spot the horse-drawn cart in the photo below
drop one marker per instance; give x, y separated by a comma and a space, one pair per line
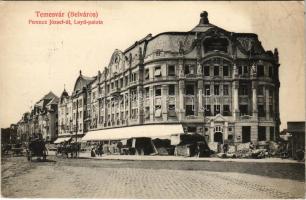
37, 148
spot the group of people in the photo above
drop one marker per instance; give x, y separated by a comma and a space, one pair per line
97, 150
67, 148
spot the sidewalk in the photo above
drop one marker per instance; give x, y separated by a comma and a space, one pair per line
180, 158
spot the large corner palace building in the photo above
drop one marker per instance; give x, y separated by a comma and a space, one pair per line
216, 83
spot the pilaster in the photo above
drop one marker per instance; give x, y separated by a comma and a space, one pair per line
254, 100
236, 100
267, 103
164, 102
181, 99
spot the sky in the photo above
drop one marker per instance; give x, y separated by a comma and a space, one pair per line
36, 59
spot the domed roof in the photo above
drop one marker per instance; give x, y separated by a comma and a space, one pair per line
204, 24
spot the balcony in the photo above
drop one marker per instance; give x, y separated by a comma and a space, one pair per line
115, 91
160, 78
133, 83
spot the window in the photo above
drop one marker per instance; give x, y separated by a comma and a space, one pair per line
134, 77
189, 110
112, 85
216, 89
270, 71
225, 70
240, 70
191, 129
107, 88
189, 89
243, 90
271, 111
246, 134
261, 111
157, 111
270, 93
207, 90
147, 95
157, 71
186, 71
216, 70
171, 70
121, 82
147, 113
126, 80
225, 90
260, 70
207, 110
206, 71
171, 90
271, 133
226, 110
147, 74
243, 110
260, 90
171, 110
230, 138
217, 109
245, 70
157, 91
189, 69
261, 133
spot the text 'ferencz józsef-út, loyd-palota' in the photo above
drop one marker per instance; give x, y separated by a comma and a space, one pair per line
71, 17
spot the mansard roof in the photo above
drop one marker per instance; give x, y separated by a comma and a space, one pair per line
183, 42
81, 82
46, 99
50, 95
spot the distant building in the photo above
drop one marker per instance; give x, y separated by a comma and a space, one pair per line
41, 120
297, 139
9, 135
217, 83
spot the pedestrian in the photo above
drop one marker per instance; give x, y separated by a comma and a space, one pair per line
92, 153
225, 148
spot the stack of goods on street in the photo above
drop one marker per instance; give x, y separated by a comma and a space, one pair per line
259, 150
192, 145
163, 146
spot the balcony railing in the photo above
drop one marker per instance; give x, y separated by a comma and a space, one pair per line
160, 78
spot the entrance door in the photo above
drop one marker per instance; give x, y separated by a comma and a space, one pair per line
218, 137
246, 134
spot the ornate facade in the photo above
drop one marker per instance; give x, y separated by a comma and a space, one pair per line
73, 113
217, 83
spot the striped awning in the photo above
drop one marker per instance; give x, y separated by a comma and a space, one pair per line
60, 140
152, 131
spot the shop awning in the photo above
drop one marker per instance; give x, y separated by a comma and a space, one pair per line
60, 140
74, 139
152, 131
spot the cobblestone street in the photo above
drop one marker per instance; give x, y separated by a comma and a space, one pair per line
88, 178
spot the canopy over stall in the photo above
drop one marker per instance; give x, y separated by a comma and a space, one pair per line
152, 131
60, 140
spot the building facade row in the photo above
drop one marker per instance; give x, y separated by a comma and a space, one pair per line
216, 83
41, 120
